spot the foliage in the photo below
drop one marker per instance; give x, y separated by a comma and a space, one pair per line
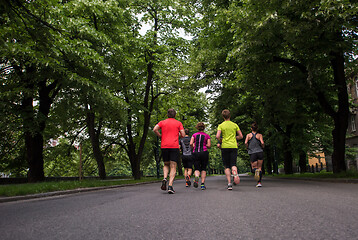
43, 187
267, 61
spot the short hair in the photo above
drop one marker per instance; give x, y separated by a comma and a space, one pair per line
226, 114
171, 113
200, 126
186, 131
254, 126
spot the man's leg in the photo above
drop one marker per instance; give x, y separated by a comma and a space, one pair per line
166, 169
228, 175
165, 173
173, 170
236, 174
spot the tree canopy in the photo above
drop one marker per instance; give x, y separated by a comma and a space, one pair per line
86, 73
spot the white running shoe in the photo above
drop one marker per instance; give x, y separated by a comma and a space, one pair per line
259, 185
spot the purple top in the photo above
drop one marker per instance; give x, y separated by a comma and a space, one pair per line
200, 140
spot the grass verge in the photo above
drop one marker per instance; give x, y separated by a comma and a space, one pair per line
42, 187
322, 174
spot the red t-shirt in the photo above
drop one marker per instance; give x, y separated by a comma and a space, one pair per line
170, 132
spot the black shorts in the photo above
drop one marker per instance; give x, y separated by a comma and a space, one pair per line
187, 160
256, 156
201, 160
229, 156
170, 154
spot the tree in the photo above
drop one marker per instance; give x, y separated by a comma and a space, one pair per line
146, 73
28, 61
316, 38
48, 49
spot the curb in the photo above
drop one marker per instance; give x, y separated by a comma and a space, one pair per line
332, 180
66, 192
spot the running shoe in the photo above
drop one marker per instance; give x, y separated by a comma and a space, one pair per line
257, 175
171, 190
164, 184
259, 185
187, 183
229, 186
202, 186
196, 182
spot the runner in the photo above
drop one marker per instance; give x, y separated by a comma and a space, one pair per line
255, 143
187, 157
227, 135
200, 142
170, 131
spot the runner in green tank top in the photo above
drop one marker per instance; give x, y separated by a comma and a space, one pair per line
228, 134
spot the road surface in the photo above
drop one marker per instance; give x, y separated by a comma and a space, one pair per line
281, 209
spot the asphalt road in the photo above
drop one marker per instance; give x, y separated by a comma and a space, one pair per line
281, 209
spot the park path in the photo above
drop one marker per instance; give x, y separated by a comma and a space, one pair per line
281, 209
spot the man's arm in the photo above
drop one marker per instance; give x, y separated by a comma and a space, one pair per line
182, 133
156, 131
218, 136
239, 135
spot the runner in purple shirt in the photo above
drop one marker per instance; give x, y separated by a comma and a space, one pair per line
200, 142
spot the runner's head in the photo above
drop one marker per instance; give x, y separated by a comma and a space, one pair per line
186, 131
226, 114
200, 126
171, 113
254, 126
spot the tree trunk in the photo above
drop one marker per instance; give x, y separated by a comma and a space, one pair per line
135, 162
94, 136
288, 161
338, 155
341, 117
288, 157
34, 156
35, 124
268, 158
302, 161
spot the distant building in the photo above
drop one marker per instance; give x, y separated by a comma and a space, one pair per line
352, 131
317, 160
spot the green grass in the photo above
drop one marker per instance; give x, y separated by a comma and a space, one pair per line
33, 188
322, 174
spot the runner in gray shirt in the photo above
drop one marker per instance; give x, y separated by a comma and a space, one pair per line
187, 157
255, 143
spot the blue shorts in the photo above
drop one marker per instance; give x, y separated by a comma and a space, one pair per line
170, 154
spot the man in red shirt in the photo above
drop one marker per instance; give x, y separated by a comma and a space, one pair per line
170, 130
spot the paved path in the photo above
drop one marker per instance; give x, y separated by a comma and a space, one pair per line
282, 209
